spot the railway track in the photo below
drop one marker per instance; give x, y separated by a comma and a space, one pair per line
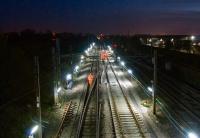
171, 96
127, 122
91, 117
66, 116
89, 120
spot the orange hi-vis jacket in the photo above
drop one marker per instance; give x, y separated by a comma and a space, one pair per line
90, 79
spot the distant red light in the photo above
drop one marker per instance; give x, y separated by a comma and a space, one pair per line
53, 36
114, 46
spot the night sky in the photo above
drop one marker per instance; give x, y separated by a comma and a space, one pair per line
102, 16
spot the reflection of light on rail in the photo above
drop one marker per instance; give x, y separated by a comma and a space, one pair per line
119, 73
127, 84
81, 77
192, 135
85, 69
78, 87
144, 109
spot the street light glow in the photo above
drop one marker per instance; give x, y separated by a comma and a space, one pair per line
90, 46
109, 47
150, 89
129, 71
192, 37
59, 89
192, 135
69, 77
122, 63
34, 129
76, 68
82, 57
150, 40
118, 58
93, 43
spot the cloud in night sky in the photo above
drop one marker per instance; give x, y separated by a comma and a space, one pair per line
107, 16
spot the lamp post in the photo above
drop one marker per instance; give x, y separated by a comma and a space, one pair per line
118, 58
192, 37
38, 100
192, 135
155, 81
33, 131
122, 64
130, 72
68, 79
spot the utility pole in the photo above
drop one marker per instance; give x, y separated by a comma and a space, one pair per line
56, 67
58, 62
38, 99
54, 75
155, 81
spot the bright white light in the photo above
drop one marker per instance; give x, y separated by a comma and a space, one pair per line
194, 44
82, 57
69, 76
34, 129
172, 40
93, 43
161, 40
81, 61
122, 63
192, 135
192, 37
118, 58
86, 51
90, 47
150, 89
59, 89
108, 46
150, 40
76, 69
129, 71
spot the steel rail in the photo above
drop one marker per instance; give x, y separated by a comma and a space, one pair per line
61, 126
128, 103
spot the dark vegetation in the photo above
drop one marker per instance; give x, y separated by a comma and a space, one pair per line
17, 83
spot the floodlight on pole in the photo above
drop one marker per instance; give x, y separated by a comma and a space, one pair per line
192, 37
76, 69
69, 76
93, 43
150, 89
34, 129
130, 71
59, 89
192, 135
122, 63
118, 58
